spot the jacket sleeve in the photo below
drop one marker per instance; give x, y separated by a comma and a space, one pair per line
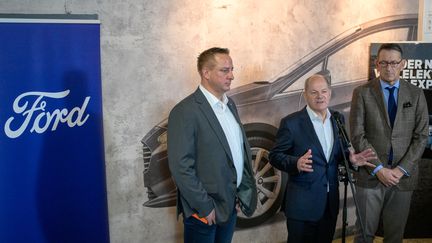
280, 156
357, 126
181, 159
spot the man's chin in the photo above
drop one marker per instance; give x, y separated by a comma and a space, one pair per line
389, 78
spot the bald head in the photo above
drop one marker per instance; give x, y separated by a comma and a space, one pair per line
313, 78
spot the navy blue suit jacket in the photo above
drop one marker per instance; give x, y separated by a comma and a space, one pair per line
306, 193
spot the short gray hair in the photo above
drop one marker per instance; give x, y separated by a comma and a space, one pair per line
308, 80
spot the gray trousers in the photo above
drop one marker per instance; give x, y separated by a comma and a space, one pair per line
389, 202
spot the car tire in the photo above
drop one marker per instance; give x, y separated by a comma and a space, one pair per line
270, 181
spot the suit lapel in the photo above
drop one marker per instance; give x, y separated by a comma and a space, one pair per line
310, 132
403, 97
379, 97
335, 140
207, 110
233, 110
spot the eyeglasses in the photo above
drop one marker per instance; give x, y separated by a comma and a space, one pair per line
392, 64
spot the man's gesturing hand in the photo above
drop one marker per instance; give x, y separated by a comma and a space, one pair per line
362, 158
304, 163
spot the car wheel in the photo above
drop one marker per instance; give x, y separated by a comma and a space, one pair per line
270, 181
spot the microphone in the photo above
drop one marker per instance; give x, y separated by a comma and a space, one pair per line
345, 140
341, 128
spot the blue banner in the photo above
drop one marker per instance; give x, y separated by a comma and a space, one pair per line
52, 170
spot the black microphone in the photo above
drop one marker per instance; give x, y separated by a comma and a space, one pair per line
345, 140
337, 117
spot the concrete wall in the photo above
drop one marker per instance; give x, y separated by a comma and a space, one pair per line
149, 50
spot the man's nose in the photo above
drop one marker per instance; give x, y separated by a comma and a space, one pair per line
231, 75
388, 67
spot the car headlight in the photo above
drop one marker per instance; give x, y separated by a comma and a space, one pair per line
162, 139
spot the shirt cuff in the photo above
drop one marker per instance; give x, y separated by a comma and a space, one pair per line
404, 171
378, 168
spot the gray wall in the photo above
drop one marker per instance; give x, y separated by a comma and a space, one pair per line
148, 64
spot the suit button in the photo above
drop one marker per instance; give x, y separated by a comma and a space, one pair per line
327, 166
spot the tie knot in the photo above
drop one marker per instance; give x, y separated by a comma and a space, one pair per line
391, 89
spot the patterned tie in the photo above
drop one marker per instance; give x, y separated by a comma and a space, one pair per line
391, 109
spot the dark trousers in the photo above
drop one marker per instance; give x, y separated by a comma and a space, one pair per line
196, 231
312, 232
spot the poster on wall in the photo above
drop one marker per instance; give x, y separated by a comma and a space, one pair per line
262, 104
52, 169
417, 71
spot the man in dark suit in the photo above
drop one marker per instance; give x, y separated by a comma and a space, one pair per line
209, 155
307, 148
390, 116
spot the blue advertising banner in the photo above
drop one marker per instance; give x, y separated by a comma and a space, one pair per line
52, 170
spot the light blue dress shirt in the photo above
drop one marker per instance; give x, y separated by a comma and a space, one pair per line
386, 92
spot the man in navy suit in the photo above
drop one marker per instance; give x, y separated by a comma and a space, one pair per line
307, 148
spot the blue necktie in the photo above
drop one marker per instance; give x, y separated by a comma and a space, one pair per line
391, 109
391, 105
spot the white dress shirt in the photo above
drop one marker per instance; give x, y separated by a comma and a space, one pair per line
323, 130
230, 127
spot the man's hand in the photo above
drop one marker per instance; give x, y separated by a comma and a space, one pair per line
362, 158
304, 163
397, 172
211, 218
388, 177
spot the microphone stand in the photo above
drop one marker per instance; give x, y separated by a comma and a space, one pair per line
346, 177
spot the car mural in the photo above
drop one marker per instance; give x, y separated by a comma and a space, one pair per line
261, 105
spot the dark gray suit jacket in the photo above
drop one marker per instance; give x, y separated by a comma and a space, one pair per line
201, 163
370, 128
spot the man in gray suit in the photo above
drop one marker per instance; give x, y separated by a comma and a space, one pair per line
390, 116
209, 155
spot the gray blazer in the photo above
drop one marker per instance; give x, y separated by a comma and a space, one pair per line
201, 163
370, 128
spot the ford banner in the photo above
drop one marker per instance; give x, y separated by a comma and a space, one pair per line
52, 169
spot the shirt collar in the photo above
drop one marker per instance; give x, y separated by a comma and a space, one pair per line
385, 84
314, 116
213, 101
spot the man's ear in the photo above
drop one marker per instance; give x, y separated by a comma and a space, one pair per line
206, 73
403, 63
376, 64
